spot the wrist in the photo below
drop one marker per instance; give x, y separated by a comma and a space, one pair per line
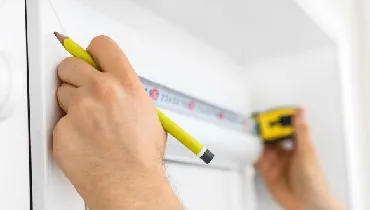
129, 190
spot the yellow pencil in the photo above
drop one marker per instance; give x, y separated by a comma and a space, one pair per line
171, 127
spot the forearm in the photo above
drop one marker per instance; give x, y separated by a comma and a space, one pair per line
315, 192
137, 193
322, 202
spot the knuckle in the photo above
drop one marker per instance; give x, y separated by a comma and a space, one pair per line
59, 130
85, 104
64, 64
60, 141
99, 40
69, 65
67, 60
105, 88
101, 83
58, 127
61, 92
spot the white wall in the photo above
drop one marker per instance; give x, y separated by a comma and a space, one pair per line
332, 16
363, 59
346, 21
14, 156
310, 79
158, 50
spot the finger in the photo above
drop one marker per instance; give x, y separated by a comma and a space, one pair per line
267, 161
281, 164
282, 153
110, 58
265, 155
59, 132
260, 160
65, 96
302, 133
277, 168
273, 157
262, 166
76, 72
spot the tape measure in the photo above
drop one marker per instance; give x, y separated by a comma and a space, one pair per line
166, 98
271, 125
275, 124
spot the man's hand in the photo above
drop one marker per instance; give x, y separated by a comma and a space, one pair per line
295, 177
110, 143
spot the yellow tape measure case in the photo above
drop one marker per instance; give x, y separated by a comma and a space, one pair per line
275, 124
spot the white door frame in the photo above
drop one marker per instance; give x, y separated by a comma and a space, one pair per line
339, 20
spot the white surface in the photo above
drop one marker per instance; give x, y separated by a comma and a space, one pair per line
14, 161
5, 82
245, 30
11, 88
343, 20
50, 189
158, 51
209, 189
363, 30
332, 16
309, 79
168, 56
249, 197
2, 2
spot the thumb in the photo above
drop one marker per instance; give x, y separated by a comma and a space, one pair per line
302, 131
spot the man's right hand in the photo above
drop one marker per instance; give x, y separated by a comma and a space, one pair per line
295, 177
110, 144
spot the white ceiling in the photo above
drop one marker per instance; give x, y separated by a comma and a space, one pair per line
246, 30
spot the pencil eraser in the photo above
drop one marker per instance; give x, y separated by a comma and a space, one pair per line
207, 157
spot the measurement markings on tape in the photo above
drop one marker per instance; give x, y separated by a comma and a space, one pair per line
164, 97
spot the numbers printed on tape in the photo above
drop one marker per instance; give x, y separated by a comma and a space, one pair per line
191, 105
167, 98
154, 93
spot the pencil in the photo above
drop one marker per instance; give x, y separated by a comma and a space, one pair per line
168, 125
